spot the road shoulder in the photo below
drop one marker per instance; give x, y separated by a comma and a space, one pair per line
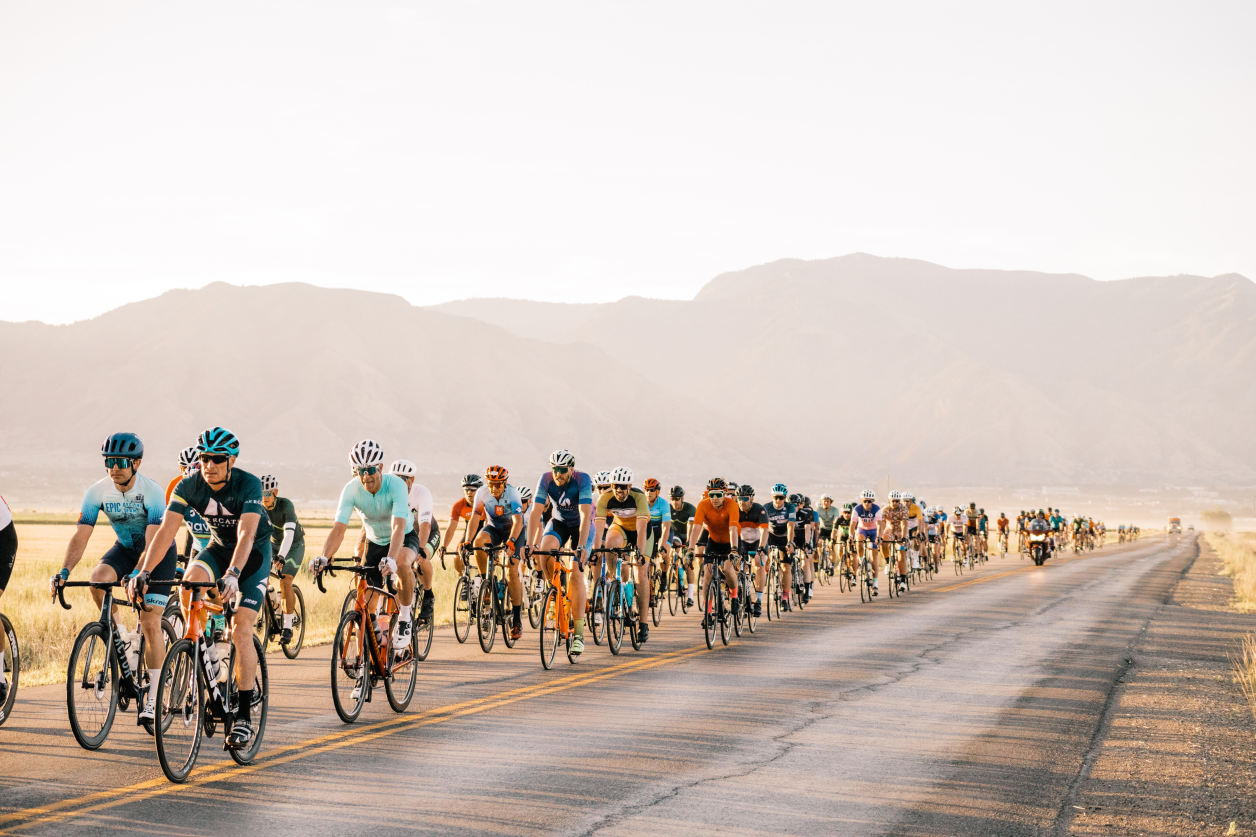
1176, 756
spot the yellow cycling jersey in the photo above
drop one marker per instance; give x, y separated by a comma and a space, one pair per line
626, 512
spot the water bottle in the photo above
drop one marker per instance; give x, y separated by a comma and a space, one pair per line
132, 642
222, 650
381, 627
475, 587
210, 660
501, 588
539, 584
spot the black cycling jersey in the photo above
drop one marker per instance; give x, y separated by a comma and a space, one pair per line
779, 519
681, 518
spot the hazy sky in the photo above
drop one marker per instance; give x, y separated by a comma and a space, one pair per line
586, 151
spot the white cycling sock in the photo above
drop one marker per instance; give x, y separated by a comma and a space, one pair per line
693, 589
154, 675
404, 615
876, 580
287, 619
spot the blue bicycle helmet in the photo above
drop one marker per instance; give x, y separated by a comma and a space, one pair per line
780, 488
218, 440
123, 444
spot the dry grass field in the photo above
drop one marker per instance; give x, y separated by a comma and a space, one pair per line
1238, 552
46, 632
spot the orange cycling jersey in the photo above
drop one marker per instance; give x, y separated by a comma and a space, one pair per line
170, 487
717, 520
1002, 521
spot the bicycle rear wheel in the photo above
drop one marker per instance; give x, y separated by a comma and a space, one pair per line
257, 709
174, 616
399, 686
12, 665
181, 704
549, 631
293, 648
91, 687
262, 628
614, 620
462, 609
597, 609
349, 668
771, 591
486, 614
424, 633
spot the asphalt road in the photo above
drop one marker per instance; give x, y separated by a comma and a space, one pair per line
969, 707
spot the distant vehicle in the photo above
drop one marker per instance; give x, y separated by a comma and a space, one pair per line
1175, 526
1191, 528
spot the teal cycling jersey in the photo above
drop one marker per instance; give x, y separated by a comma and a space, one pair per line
129, 513
377, 510
660, 510
221, 509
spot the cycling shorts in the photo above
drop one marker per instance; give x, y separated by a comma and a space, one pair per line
867, 534
703, 537
123, 560
826, 534
566, 533
655, 538
845, 533
292, 563
630, 538
255, 577
972, 530
933, 537
717, 552
376, 552
8, 553
800, 540
497, 536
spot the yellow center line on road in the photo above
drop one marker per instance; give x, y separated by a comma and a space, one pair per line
102, 800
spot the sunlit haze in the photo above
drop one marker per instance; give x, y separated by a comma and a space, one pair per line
590, 151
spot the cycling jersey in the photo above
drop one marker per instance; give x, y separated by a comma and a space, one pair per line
1002, 522
914, 516
565, 500
8, 544
753, 521
972, 518
827, 518
221, 509
498, 511
866, 519
895, 515
129, 513
780, 518
280, 516
376, 510
803, 518
718, 520
421, 507
983, 522
195, 525
681, 518
660, 510
626, 512
6, 516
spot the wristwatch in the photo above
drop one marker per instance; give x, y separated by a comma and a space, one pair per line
233, 571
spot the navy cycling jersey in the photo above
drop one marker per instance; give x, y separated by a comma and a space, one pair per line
221, 509
779, 519
804, 516
564, 501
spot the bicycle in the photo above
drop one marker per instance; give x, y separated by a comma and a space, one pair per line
824, 567
745, 588
957, 554
677, 580
620, 598
867, 572
717, 607
465, 594
849, 575
772, 582
557, 621
655, 589
1002, 544
270, 618
362, 653
197, 690
101, 676
492, 607
533, 591
12, 665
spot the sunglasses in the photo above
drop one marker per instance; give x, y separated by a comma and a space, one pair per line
560, 469
715, 495
274, 493
778, 496
368, 471
216, 458
621, 487
117, 462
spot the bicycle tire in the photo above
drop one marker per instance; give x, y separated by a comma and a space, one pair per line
548, 629
597, 607
409, 668
292, 649
261, 702
92, 641
709, 617
772, 591
349, 665
613, 618
347, 605
656, 597
174, 615
262, 628
462, 607
181, 702
486, 616
723, 606
673, 591
535, 600
169, 636
865, 586
681, 592
12, 666
423, 635
739, 613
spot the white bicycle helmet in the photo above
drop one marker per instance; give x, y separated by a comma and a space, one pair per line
867, 494
894, 495
907, 495
366, 453
602, 478
403, 468
269, 483
525, 494
824, 497
621, 476
188, 457
562, 458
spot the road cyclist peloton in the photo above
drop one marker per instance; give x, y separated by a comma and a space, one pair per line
382, 503
229, 500
567, 496
134, 506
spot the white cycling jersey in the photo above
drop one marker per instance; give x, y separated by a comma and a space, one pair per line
6, 516
420, 500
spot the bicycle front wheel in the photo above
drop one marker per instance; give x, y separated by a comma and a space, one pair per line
262, 628
293, 648
549, 630
615, 616
257, 709
535, 600
723, 605
673, 590
12, 664
348, 668
181, 704
462, 609
486, 615
91, 687
656, 596
710, 613
596, 618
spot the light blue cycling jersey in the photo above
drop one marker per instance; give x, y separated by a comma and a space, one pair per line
130, 513
376, 510
660, 510
497, 511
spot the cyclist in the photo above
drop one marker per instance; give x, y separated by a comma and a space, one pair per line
869, 522
660, 530
1003, 524
827, 516
383, 505
229, 499
972, 519
682, 514
133, 505
198, 530
983, 526
804, 538
8, 554
932, 521
843, 528
461, 510
915, 527
894, 532
422, 511
567, 494
782, 519
499, 506
629, 512
753, 523
958, 524
722, 523
287, 542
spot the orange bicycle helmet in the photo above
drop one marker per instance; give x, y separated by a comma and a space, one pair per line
496, 473
652, 484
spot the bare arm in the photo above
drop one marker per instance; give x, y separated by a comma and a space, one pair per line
334, 539
397, 537
78, 543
